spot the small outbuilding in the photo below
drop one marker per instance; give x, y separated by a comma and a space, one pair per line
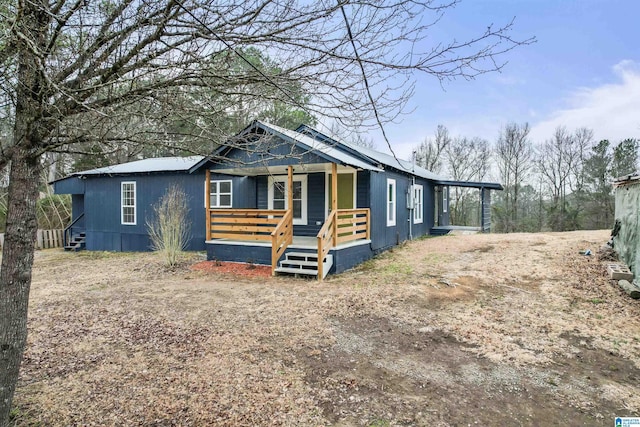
626, 237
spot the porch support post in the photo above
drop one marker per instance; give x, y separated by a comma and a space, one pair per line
334, 200
334, 187
290, 187
207, 203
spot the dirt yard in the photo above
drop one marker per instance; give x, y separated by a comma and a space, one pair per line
464, 330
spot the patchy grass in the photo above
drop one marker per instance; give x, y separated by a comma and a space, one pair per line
512, 329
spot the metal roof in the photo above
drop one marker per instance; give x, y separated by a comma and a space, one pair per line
384, 159
632, 178
391, 161
158, 164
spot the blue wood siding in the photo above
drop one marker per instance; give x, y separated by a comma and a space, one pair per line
239, 253
101, 205
315, 206
71, 185
384, 237
274, 151
262, 192
344, 259
77, 209
363, 187
103, 210
347, 258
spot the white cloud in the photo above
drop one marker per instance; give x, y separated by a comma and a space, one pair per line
612, 110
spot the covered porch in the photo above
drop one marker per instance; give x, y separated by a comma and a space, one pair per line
265, 236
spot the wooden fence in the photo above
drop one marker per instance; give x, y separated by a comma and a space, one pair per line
45, 239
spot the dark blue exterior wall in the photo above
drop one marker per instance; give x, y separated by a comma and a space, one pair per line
103, 210
363, 189
77, 209
316, 205
343, 259
101, 205
70, 185
428, 209
347, 258
383, 236
239, 253
272, 152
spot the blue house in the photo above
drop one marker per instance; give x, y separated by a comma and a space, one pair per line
297, 200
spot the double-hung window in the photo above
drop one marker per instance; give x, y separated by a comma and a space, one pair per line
418, 200
221, 194
128, 203
445, 199
391, 202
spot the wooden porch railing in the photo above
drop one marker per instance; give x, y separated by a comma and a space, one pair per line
352, 224
342, 225
269, 225
281, 237
326, 240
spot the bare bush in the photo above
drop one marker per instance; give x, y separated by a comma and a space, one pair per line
169, 228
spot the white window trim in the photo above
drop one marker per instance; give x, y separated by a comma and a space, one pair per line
284, 179
418, 203
391, 183
122, 205
445, 199
218, 182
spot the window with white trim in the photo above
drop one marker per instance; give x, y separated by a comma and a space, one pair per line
418, 200
445, 197
391, 202
279, 196
128, 203
221, 194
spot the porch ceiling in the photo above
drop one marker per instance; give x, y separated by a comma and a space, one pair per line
280, 170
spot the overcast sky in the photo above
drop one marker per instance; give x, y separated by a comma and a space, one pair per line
583, 71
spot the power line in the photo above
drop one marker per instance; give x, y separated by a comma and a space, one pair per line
275, 85
366, 83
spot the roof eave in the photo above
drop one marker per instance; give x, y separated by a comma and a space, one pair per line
471, 184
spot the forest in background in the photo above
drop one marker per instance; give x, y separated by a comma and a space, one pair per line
564, 183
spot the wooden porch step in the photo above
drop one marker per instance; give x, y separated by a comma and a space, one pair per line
305, 263
299, 262
293, 270
307, 256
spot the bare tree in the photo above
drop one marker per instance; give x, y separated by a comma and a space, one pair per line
559, 160
430, 152
514, 155
73, 71
467, 160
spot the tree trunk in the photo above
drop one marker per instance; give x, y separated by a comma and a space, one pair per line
30, 129
15, 273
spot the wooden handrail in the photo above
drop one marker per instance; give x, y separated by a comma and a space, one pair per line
281, 237
326, 240
342, 225
69, 230
352, 224
244, 224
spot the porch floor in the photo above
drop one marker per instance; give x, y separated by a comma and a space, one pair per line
299, 242
460, 228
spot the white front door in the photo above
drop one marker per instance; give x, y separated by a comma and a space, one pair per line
279, 196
